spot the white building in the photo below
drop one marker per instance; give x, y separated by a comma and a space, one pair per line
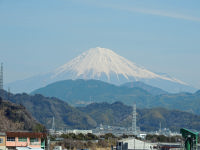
79, 131
142, 135
132, 143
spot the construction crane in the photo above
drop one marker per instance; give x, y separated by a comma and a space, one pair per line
191, 139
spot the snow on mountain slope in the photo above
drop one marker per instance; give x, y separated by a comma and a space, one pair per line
102, 64
97, 61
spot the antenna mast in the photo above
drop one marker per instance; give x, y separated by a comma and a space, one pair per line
53, 125
134, 129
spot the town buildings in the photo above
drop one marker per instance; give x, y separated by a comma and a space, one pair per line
22, 141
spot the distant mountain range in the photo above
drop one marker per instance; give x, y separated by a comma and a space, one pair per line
83, 92
105, 65
117, 114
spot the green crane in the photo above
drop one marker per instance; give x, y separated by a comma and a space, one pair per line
190, 137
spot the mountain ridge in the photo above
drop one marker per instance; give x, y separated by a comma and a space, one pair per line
90, 116
45, 108
152, 90
73, 91
105, 65
88, 91
148, 119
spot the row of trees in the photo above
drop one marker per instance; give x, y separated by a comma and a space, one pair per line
109, 136
81, 141
162, 138
79, 136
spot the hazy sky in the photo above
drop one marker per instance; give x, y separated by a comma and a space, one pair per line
37, 36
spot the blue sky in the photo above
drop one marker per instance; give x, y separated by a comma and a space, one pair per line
37, 36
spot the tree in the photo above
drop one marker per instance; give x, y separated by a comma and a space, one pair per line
108, 135
39, 128
80, 136
91, 136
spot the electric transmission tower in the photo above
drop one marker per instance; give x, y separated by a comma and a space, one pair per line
1, 77
134, 127
53, 125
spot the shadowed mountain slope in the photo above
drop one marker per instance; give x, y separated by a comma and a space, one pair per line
15, 117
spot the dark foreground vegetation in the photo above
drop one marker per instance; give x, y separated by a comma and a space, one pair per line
15, 117
81, 141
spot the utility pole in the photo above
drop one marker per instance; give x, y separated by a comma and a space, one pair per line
8, 94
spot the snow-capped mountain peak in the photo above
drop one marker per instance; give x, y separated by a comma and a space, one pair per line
102, 64
98, 63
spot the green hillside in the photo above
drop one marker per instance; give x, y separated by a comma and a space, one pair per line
150, 89
45, 108
91, 116
77, 92
81, 91
15, 117
118, 114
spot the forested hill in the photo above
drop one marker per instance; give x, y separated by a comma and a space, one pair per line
45, 108
86, 91
88, 117
118, 114
15, 117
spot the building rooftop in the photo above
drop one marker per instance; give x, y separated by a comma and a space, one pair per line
26, 134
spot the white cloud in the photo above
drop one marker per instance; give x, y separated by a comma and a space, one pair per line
150, 11
145, 11
160, 13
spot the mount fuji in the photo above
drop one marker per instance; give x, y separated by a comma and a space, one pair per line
102, 64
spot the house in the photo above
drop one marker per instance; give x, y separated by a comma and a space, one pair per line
25, 140
2, 141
